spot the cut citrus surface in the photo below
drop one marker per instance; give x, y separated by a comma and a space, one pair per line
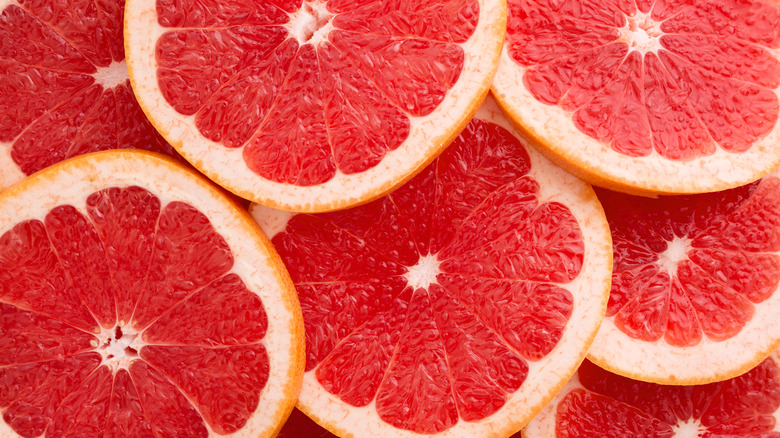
457, 305
597, 403
312, 105
663, 96
64, 89
136, 300
695, 292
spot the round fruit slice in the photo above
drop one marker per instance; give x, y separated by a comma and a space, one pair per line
459, 304
312, 105
695, 292
137, 301
597, 403
64, 89
664, 96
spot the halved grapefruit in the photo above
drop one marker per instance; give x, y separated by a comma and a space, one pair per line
64, 89
597, 403
695, 293
136, 300
663, 96
312, 105
459, 304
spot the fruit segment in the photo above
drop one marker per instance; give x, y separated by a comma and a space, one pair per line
598, 403
428, 310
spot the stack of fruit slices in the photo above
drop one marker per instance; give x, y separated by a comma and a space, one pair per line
442, 292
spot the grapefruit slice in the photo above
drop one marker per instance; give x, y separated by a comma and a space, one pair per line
136, 300
459, 304
312, 105
64, 89
664, 96
695, 291
598, 403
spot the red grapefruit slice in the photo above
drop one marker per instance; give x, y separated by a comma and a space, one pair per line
664, 96
695, 292
312, 105
597, 403
458, 304
64, 89
136, 300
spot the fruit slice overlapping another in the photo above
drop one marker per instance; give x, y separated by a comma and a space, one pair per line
597, 403
64, 89
664, 96
137, 301
455, 306
312, 105
695, 292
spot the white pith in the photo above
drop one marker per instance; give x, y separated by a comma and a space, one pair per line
543, 425
115, 351
641, 33
690, 428
554, 133
427, 134
112, 75
707, 361
676, 251
547, 375
305, 23
257, 266
424, 273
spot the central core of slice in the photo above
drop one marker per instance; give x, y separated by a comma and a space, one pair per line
118, 346
688, 429
424, 273
676, 252
311, 23
112, 75
641, 33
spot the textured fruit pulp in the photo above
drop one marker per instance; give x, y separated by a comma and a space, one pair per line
490, 264
155, 277
64, 89
301, 426
693, 266
678, 77
304, 105
614, 406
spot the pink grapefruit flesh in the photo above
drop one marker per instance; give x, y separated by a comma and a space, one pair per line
692, 275
123, 313
599, 403
64, 90
310, 96
665, 95
432, 310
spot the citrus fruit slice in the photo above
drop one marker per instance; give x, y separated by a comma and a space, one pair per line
598, 403
136, 300
64, 89
664, 96
695, 291
312, 105
457, 305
